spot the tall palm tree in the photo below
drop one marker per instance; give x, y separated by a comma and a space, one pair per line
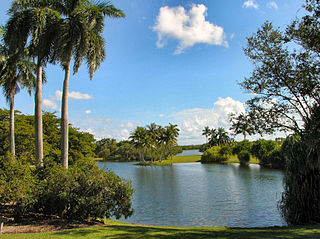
222, 136
14, 70
79, 37
206, 133
33, 24
213, 137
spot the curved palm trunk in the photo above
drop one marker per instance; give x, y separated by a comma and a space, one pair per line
64, 117
12, 144
38, 117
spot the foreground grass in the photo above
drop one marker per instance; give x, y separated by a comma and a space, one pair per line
119, 230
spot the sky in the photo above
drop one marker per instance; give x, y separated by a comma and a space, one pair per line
176, 61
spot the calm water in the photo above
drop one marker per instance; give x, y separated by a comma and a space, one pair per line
189, 152
203, 195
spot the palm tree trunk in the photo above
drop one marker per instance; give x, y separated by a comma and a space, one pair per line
38, 117
64, 117
12, 145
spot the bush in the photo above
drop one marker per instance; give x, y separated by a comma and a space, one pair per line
262, 148
84, 191
213, 155
18, 186
275, 159
244, 157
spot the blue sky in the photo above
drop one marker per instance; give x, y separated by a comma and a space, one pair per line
175, 61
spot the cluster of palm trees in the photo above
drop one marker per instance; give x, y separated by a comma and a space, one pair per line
155, 139
51, 31
216, 136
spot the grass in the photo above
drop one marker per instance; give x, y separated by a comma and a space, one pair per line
192, 159
120, 230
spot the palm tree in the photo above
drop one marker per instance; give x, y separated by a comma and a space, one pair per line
14, 70
139, 139
213, 137
222, 136
153, 132
174, 133
241, 125
34, 24
206, 132
80, 37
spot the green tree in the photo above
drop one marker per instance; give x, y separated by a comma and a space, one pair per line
79, 37
33, 25
173, 132
240, 124
139, 138
206, 133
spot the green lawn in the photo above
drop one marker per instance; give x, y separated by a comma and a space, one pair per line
118, 230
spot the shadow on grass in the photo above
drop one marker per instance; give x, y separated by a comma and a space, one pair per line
128, 231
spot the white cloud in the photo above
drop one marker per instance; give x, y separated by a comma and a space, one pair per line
73, 95
88, 112
192, 121
250, 4
189, 28
273, 5
50, 105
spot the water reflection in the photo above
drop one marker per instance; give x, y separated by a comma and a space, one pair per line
203, 195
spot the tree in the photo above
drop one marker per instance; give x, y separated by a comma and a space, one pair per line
139, 138
206, 133
285, 81
15, 70
240, 124
80, 37
33, 25
222, 137
153, 131
173, 132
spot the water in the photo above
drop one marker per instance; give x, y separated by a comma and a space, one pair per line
189, 152
194, 194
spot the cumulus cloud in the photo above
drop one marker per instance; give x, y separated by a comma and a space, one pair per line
73, 95
192, 121
250, 4
188, 27
51, 102
88, 112
50, 105
272, 5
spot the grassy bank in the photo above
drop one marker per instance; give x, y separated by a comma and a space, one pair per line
119, 230
192, 159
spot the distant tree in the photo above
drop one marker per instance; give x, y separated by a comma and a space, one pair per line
241, 124
174, 133
222, 137
206, 133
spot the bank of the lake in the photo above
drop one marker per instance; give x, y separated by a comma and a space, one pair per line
120, 230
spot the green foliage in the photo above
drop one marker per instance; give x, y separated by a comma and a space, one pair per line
300, 199
241, 146
81, 144
17, 185
84, 191
244, 157
262, 148
214, 154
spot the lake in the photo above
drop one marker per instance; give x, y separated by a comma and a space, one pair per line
199, 195
190, 152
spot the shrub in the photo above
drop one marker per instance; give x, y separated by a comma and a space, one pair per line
84, 191
213, 155
262, 148
18, 186
275, 159
244, 157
